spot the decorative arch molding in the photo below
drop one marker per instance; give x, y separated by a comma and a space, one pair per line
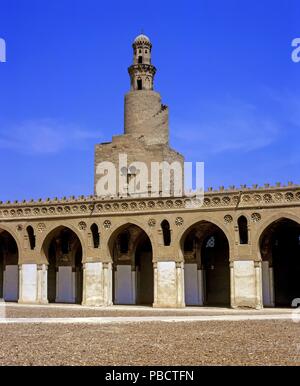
15, 237
265, 224
207, 269
132, 269
207, 218
47, 238
117, 228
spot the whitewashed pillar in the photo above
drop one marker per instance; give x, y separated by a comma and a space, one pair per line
134, 284
107, 284
232, 286
168, 285
28, 283
42, 284
155, 278
258, 283
267, 284
246, 284
180, 284
92, 284
84, 294
272, 288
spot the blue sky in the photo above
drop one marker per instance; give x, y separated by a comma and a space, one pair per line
224, 69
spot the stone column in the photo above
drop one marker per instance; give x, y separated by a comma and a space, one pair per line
267, 284
201, 295
168, 284
272, 294
92, 284
107, 284
232, 286
97, 284
28, 283
155, 279
258, 284
180, 284
42, 284
134, 285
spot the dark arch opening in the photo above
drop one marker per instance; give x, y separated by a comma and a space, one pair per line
123, 241
144, 268
133, 278
9, 270
140, 84
189, 243
206, 270
78, 276
63, 251
165, 226
140, 60
95, 236
243, 229
31, 237
280, 252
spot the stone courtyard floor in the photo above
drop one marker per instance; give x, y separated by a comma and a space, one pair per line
120, 335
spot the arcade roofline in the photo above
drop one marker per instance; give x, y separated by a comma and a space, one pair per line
210, 191
92, 206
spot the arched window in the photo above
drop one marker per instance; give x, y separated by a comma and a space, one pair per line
243, 230
140, 59
165, 226
31, 237
95, 235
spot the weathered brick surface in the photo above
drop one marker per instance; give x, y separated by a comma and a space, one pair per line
146, 116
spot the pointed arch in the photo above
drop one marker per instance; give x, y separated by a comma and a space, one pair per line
63, 250
9, 269
279, 245
132, 253
205, 249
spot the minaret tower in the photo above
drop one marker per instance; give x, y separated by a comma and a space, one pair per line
146, 122
145, 116
142, 72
